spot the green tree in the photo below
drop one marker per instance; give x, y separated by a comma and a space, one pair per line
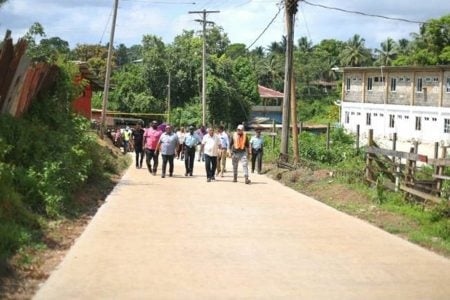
355, 53
387, 53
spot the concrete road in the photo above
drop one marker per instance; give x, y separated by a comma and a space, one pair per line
184, 238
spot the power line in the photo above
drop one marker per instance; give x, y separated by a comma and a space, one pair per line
362, 13
306, 24
106, 25
267, 27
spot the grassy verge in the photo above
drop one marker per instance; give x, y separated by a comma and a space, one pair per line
420, 224
35, 257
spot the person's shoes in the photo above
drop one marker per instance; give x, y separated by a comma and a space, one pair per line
253, 171
213, 178
150, 171
170, 175
221, 174
190, 174
259, 172
154, 173
208, 180
163, 176
247, 181
185, 174
235, 179
137, 167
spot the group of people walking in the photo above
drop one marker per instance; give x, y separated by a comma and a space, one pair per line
213, 147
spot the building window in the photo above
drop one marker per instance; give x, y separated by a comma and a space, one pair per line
406, 117
448, 84
419, 85
446, 125
436, 79
369, 83
347, 86
368, 119
353, 113
358, 113
399, 117
393, 84
418, 123
381, 115
347, 117
434, 119
375, 115
427, 119
391, 121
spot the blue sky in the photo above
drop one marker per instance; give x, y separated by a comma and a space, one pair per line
86, 21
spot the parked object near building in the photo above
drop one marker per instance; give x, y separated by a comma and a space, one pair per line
414, 102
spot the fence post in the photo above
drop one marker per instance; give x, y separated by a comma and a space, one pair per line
414, 163
369, 157
328, 136
396, 167
357, 139
274, 128
441, 171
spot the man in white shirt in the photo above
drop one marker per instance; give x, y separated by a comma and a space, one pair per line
210, 148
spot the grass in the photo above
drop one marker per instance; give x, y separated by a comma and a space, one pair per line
428, 226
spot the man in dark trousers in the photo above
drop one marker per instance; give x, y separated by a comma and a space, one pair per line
257, 145
138, 139
191, 140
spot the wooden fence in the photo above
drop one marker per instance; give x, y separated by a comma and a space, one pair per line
400, 169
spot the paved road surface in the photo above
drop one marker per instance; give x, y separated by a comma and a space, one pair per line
183, 238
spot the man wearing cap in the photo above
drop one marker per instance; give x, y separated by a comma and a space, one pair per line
239, 148
222, 157
168, 143
191, 140
151, 138
210, 148
256, 146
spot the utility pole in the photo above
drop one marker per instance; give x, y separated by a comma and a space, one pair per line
204, 22
168, 99
291, 10
108, 69
294, 119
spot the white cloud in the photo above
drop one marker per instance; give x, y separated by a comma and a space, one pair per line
83, 21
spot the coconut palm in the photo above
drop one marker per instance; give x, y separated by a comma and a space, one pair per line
387, 53
355, 54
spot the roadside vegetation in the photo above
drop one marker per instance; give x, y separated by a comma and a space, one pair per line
46, 158
336, 177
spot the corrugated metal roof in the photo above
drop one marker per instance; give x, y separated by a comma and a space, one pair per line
265, 92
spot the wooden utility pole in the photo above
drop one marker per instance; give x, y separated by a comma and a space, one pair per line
291, 10
294, 119
108, 69
168, 98
204, 22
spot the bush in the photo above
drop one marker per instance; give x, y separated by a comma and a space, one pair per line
45, 157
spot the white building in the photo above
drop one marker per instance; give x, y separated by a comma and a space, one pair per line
412, 101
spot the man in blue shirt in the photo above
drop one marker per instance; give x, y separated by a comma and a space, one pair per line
257, 143
168, 143
191, 140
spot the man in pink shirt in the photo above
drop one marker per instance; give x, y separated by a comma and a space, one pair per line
151, 139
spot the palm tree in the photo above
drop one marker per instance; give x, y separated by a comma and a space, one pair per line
355, 53
387, 53
304, 45
403, 46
